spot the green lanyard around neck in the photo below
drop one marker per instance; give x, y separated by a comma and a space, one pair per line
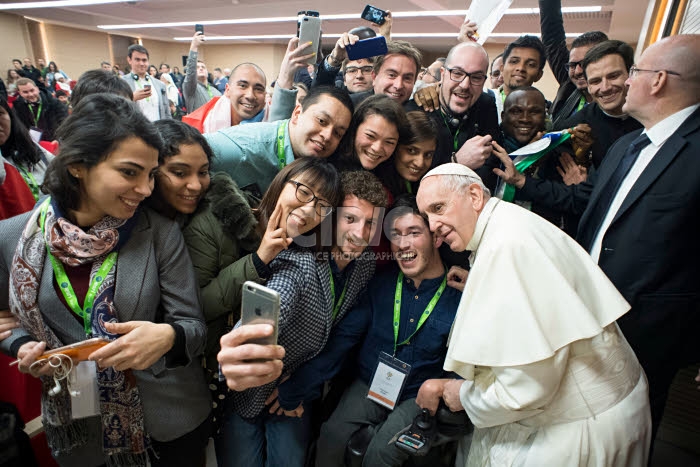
211, 94
38, 114
30, 181
336, 306
423, 317
455, 138
409, 188
67, 289
279, 145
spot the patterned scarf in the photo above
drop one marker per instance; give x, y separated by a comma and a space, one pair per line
124, 439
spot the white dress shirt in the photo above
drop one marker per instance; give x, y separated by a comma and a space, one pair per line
658, 134
150, 106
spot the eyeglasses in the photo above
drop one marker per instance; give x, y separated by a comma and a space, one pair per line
573, 65
496, 73
306, 195
457, 75
634, 71
352, 70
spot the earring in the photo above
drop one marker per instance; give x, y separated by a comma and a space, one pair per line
75, 174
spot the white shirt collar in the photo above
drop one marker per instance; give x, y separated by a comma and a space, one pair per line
481, 223
659, 133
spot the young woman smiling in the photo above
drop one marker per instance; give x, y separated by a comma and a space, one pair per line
377, 126
129, 268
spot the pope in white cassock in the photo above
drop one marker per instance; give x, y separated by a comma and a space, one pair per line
549, 379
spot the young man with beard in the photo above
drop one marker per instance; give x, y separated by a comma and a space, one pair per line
420, 293
252, 154
606, 68
572, 95
467, 122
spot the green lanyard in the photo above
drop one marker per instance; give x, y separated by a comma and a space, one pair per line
424, 316
67, 289
409, 188
279, 144
336, 306
211, 94
503, 96
38, 114
581, 103
30, 181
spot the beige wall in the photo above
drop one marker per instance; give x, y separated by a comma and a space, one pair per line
14, 40
75, 50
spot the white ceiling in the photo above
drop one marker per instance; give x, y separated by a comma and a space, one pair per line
621, 19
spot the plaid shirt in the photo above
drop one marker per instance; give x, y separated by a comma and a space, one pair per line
306, 313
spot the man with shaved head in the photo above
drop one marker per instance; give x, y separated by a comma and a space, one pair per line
467, 122
639, 219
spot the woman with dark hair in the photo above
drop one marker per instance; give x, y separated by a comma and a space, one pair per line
17, 148
51, 78
413, 156
130, 268
153, 71
377, 126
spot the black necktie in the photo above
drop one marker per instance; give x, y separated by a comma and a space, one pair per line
610, 189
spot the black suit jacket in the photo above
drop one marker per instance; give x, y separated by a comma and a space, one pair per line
650, 251
52, 115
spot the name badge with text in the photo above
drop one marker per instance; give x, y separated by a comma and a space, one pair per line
388, 381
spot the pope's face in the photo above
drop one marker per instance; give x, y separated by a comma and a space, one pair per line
452, 215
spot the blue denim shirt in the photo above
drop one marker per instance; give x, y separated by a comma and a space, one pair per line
370, 322
248, 153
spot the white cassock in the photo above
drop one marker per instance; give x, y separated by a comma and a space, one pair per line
549, 378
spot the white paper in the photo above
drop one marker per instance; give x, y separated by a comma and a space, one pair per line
84, 393
532, 148
386, 385
486, 14
35, 135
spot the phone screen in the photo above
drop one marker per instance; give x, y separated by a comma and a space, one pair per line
199, 28
374, 14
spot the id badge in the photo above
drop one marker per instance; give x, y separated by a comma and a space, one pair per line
35, 133
388, 381
83, 390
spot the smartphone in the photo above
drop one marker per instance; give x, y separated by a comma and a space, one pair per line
147, 87
374, 15
260, 305
78, 352
300, 17
367, 48
310, 31
199, 28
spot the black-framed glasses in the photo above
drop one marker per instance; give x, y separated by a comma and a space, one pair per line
573, 65
459, 75
306, 195
634, 71
365, 70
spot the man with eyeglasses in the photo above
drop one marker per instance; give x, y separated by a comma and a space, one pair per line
466, 121
252, 154
639, 209
605, 68
497, 72
572, 95
357, 74
430, 75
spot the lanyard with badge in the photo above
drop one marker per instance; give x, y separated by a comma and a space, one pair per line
279, 145
390, 376
85, 399
84, 312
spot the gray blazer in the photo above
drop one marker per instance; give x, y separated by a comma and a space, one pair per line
158, 87
155, 282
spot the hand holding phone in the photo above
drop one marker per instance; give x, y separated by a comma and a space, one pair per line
374, 15
310, 31
260, 305
78, 352
199, 28
367, 48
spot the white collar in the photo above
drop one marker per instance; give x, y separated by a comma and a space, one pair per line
659, 133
